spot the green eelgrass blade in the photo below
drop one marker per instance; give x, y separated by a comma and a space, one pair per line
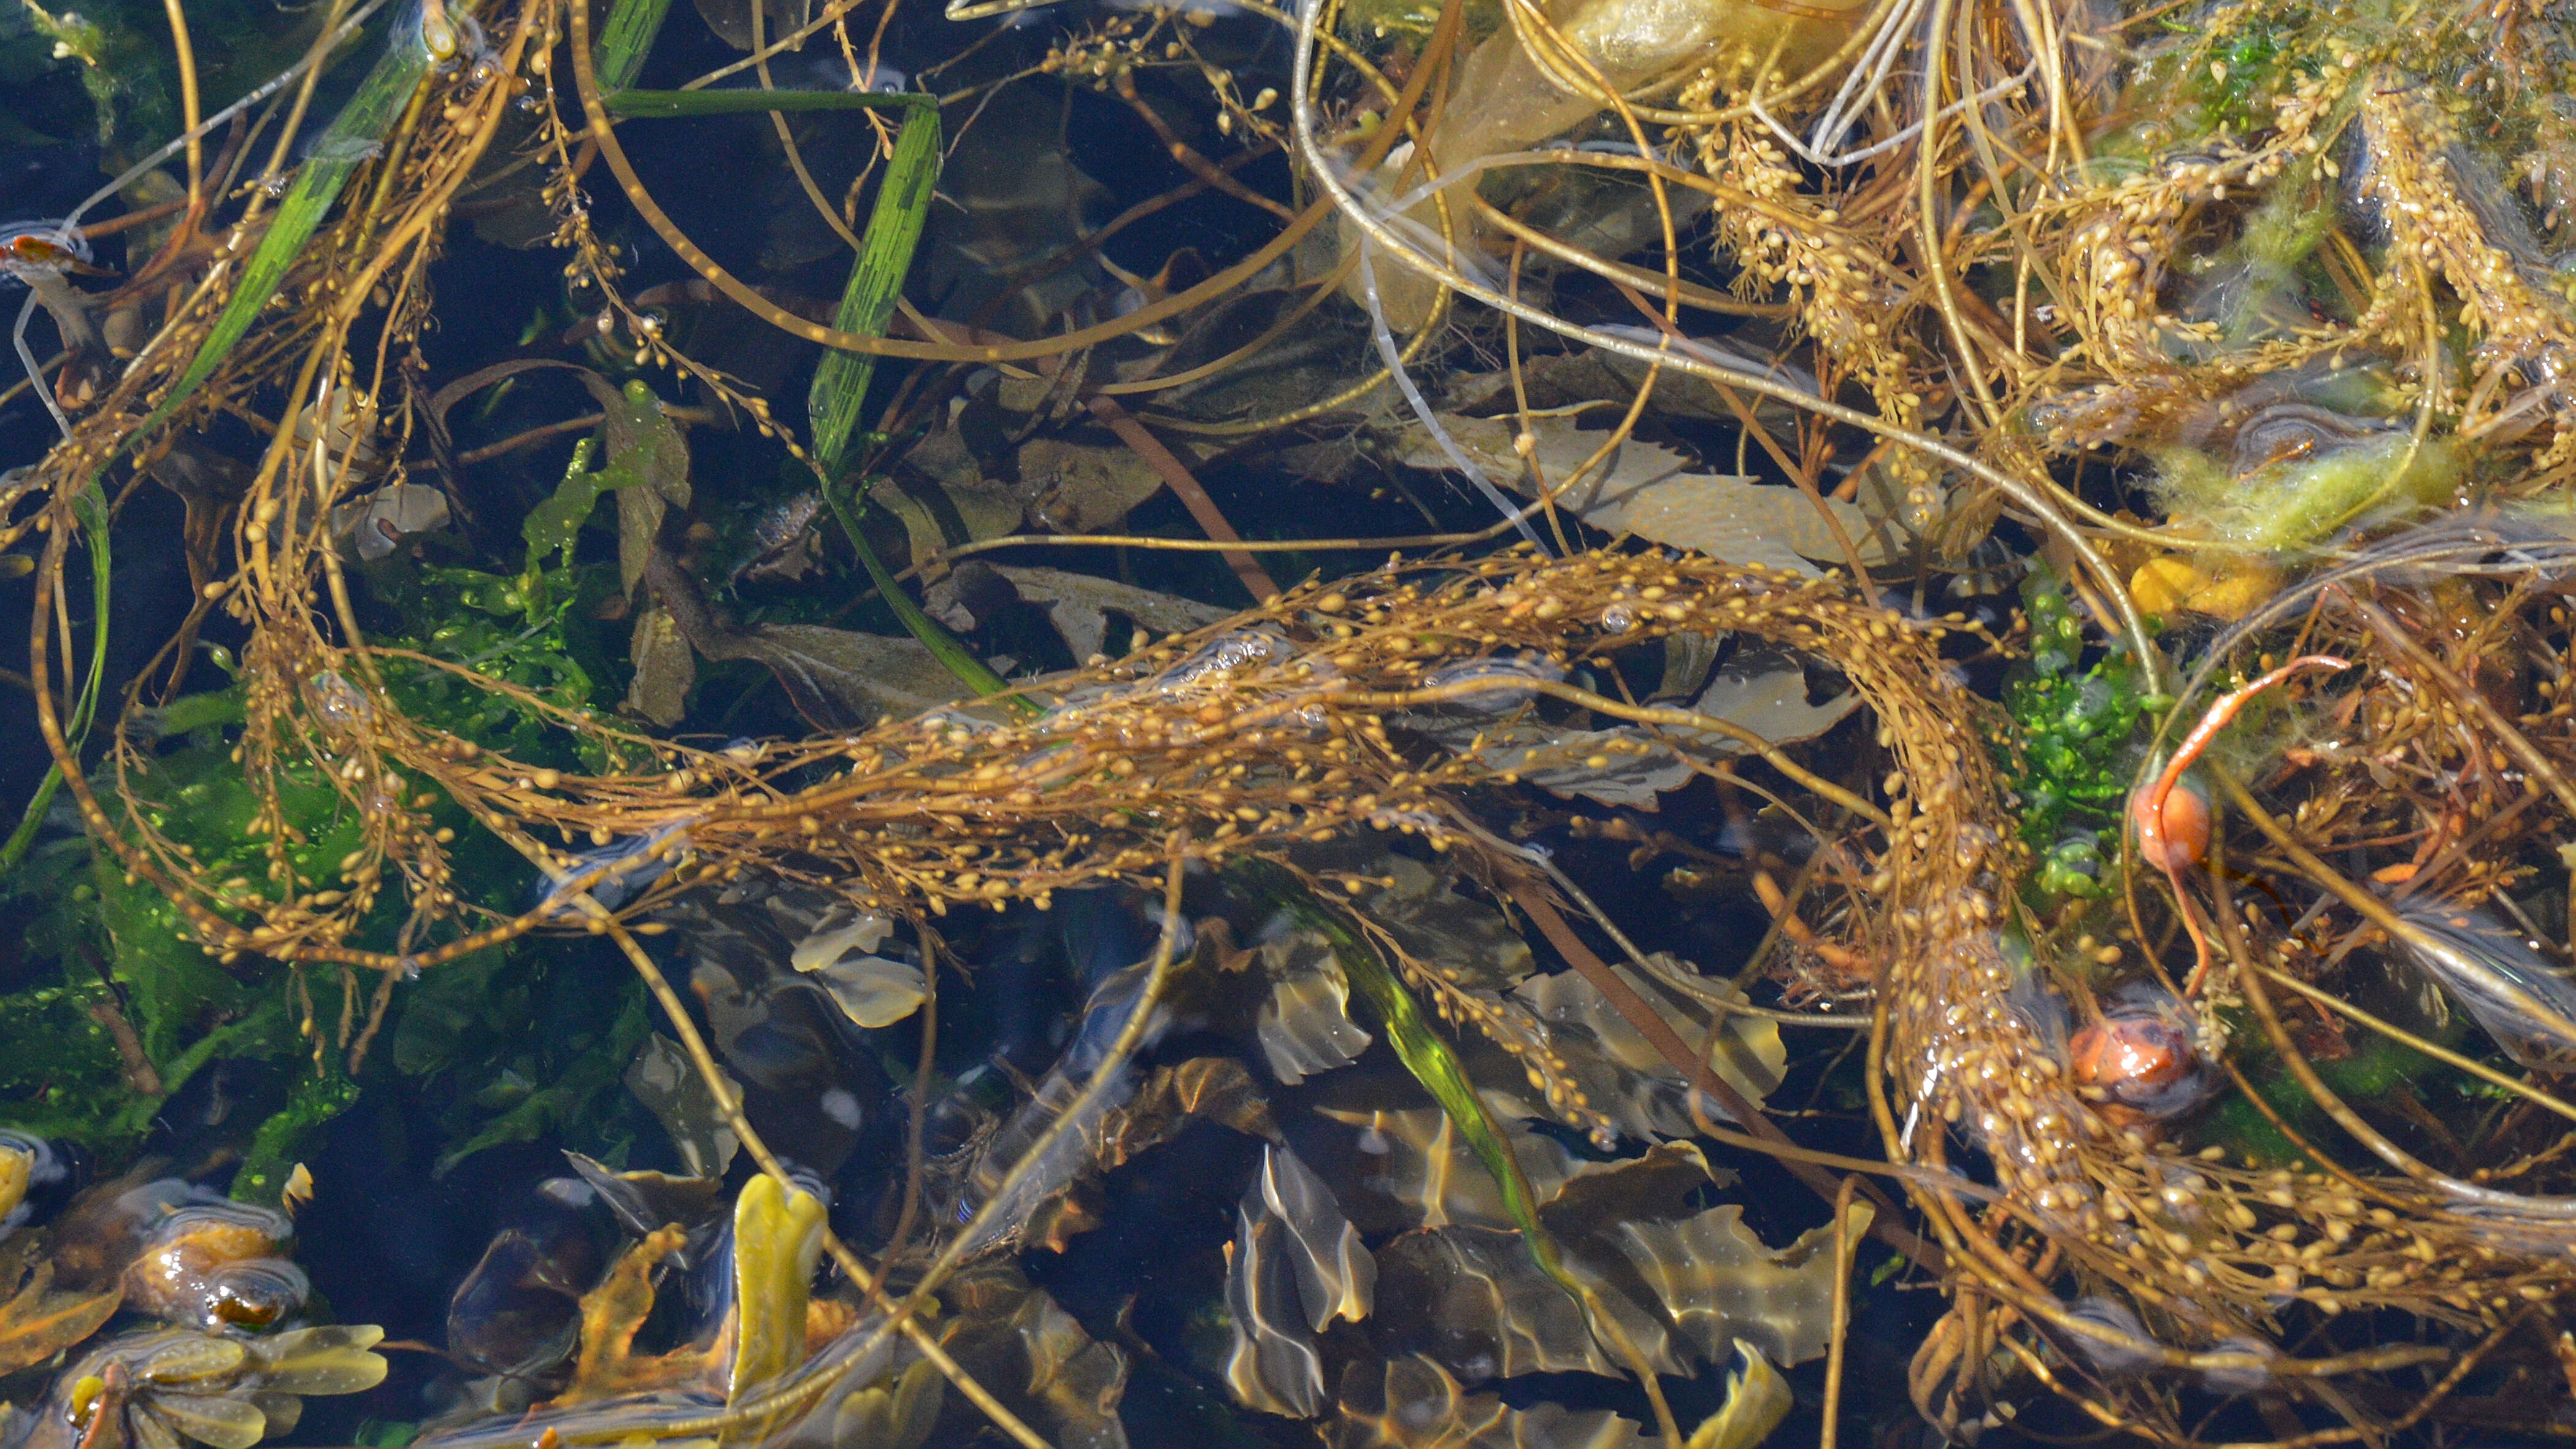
894, 229
1431, 1061
950, 650
625, 40
672, 105
1436, 1066
352, 137
841, 379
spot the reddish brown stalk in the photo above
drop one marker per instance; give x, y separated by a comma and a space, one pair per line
2147, 808
1176, 475
1190, 160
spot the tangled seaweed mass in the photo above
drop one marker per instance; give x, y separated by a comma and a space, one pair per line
2123, 686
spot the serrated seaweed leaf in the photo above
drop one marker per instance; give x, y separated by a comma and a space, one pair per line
1415, 1159
289, 1133
1619, 1070
1718, 1283
1472, 1299
1431, 921
1660, 1283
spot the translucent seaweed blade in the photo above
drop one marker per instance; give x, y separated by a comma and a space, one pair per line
894, 229
625, 40
351, 139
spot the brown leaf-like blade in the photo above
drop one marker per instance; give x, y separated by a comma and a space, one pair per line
1077, 606
1412, 1403
836, 678
665, 669
610, 1315
39, 1323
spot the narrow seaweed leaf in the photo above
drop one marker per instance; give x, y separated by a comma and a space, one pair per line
894, 228
353, 137
1436, 1066
626, 39
841, 379
950, 650
91, 504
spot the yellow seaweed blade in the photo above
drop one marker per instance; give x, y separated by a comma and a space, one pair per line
899, 1415
16, 1166
777, 1236
1757, 1399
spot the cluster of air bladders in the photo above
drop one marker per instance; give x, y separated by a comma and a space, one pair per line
1321, 716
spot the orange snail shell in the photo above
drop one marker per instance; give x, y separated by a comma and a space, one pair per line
2185, 832
2137, 1064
